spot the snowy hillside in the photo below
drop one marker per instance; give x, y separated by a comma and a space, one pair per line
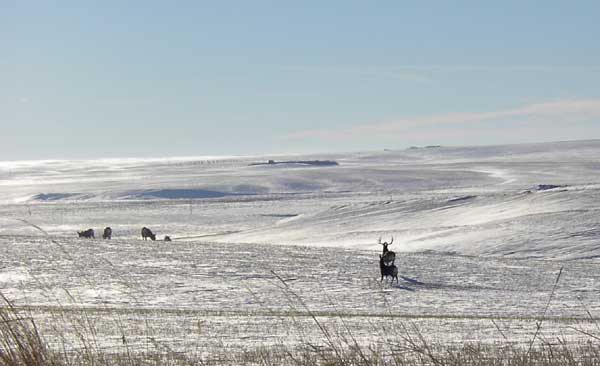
538, 200
239, 230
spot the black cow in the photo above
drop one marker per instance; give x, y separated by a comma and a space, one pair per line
89, 233
147, 233
391, 271
107, 234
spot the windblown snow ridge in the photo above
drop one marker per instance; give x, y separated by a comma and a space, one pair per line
317, 163
545, 187
50, 197
144, 194
171, 193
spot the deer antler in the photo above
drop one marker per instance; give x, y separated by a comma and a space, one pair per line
391, 241
379, 241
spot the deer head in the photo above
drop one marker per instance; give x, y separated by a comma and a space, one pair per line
385, 244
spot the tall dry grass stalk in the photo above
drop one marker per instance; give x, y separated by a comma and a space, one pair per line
20, 342
395, 343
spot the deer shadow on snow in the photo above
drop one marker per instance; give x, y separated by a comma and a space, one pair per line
409, 284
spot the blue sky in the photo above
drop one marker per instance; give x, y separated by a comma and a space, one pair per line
151, 79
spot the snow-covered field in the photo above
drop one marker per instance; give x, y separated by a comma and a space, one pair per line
258, 250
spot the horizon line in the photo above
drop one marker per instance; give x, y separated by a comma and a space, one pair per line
250, 156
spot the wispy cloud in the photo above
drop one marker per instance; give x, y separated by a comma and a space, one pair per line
367, 72
424, 73
567, 111
498, 67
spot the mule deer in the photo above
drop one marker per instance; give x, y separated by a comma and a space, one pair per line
107, 234
388, 256
147, 233
89, 233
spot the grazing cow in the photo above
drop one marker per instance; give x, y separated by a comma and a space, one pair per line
391, 271
388, 256
147, 233
167, 238
107, 234
89, 233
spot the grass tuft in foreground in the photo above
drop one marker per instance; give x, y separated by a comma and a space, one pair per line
21, 344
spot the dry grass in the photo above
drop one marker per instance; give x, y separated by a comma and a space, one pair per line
20, 341
22, 344
399, 342
395, 342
